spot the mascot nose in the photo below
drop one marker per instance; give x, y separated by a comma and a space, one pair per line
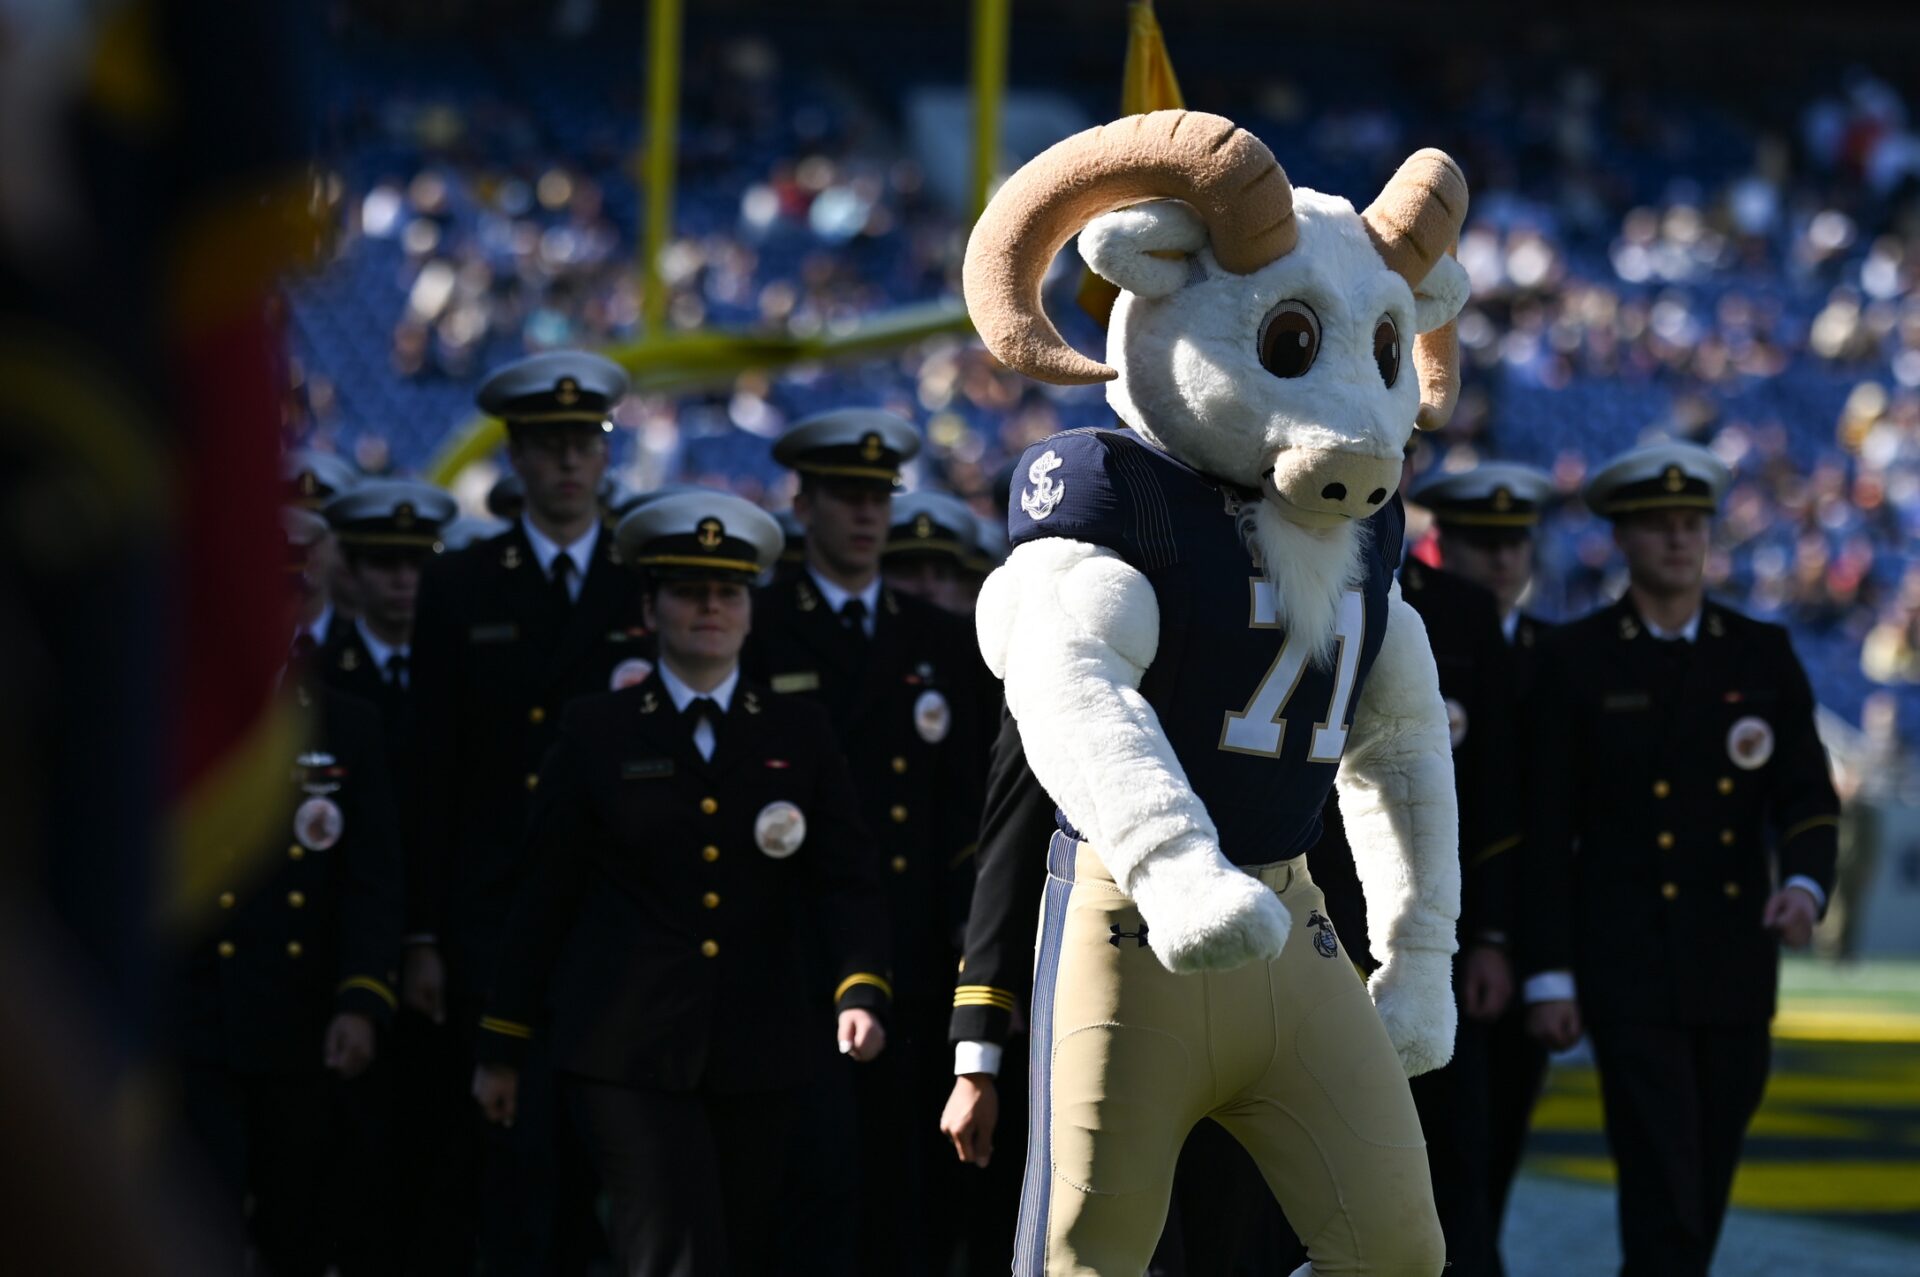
1332, 484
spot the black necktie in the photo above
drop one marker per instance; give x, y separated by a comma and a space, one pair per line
397, 670
562, 573
853, 617
702, 707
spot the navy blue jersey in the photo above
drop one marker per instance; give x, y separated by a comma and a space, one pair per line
1258, 726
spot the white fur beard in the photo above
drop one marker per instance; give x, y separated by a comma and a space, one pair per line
1309, 569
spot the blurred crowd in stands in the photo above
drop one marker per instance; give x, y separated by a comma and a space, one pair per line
1740, 274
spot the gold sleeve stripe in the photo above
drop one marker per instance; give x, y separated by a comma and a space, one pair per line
372, 986
961, 856
1494, 849
859, 978
983, 991
505, 1028
1805, 826
982, 995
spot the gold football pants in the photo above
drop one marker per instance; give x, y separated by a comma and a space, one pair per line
1289, 1056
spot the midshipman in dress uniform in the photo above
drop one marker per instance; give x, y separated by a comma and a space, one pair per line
691, 834
1683, 829
508, 632
900, 680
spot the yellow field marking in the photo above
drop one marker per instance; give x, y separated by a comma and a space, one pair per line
1581, 1115
1845, 1187
1832, 1021
1568, 1114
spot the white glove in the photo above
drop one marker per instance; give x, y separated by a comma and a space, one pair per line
1202, 914
1413, 992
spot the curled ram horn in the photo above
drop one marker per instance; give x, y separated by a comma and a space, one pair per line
1414, 222
1224, 172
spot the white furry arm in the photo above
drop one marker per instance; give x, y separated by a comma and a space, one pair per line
1397, 799
1071, 629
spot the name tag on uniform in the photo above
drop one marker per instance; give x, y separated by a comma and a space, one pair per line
805, 681
1625, 702
646, 769
503, 632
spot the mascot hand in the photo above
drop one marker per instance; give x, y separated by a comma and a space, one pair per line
1413, 993
1202, 914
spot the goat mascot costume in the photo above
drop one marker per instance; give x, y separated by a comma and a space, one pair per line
1199, 635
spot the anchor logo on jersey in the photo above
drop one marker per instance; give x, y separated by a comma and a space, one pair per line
1040, 500
1324, 942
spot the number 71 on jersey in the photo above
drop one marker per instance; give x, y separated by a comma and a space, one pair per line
1261, 728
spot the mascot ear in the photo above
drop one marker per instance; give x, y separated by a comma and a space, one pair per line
1147, 249
1440, 295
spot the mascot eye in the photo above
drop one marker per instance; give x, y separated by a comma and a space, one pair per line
1386, 350
1291, 340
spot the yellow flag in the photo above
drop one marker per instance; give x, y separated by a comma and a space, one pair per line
1147, 84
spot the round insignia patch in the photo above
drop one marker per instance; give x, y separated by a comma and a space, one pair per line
318, 823
1750, 743
932, 717
628, 672
1456, 722
779, 829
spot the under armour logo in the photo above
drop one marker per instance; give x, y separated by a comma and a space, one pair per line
1138, 937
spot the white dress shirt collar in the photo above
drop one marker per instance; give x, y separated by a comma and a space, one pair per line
1690, 631
683, 695
546, 550
722, 695
317, 631
381, 652
837, 598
